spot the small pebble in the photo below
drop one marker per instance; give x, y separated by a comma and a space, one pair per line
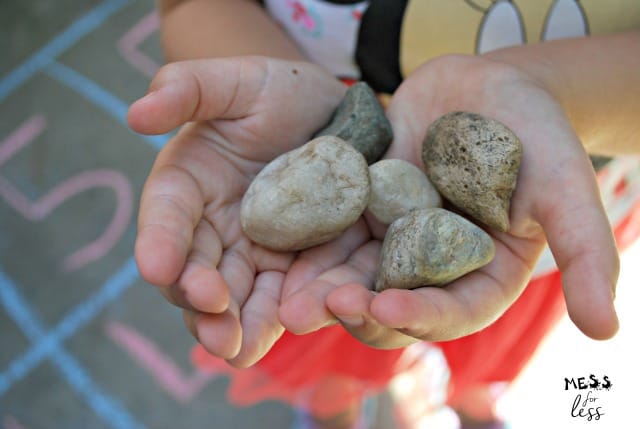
360, 120
307, 196
398, 187
474, 162
431, 247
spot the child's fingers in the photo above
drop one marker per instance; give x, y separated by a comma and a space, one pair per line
249, 327
465, 305
232, 88
581, 240
238, 270
192, 91
201, 286
306, 311
259, 319
312, 262
350, 304
170, 208
440, 314
220, 334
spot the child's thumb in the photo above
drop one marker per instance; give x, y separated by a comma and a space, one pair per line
582, 243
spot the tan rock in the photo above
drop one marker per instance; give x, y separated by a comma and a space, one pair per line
431, 247
474, 162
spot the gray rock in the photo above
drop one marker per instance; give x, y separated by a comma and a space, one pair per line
398, 187
307, 196
360, 120
474, 162
431, 247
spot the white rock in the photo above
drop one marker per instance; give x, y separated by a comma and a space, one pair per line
307, 196
397, 187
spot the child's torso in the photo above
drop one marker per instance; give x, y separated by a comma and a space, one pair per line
383, 40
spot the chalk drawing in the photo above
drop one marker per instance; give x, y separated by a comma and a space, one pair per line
29, 130
161, 367
9, 422
99, 96
128, 44
58, 45
84, 181
75, 320
49, 345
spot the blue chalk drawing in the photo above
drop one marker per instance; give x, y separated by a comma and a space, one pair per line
48, 345
99, 96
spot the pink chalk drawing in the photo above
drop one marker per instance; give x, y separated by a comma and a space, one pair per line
41, 208
128, 44
19, 138
9, 422
162, 368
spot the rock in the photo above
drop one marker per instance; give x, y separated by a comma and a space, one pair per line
307, 196
398, 187
473, 162
431, 247
360, 120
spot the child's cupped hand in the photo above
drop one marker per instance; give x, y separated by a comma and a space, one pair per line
237, 114
556, 200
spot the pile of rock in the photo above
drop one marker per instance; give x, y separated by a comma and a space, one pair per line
312, 194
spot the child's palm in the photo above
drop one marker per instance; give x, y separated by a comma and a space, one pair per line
556, 197
242, 113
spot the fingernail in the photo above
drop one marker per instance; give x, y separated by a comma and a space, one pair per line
351, 321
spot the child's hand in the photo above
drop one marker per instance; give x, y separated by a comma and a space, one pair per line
556, 197
240, 113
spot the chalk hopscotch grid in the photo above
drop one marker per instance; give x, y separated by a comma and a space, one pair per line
47, 345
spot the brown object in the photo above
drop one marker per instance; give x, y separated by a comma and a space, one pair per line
474, 161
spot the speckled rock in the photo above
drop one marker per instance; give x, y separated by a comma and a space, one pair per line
360, 120
431, 247
307, 196
474, 162
398, 187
